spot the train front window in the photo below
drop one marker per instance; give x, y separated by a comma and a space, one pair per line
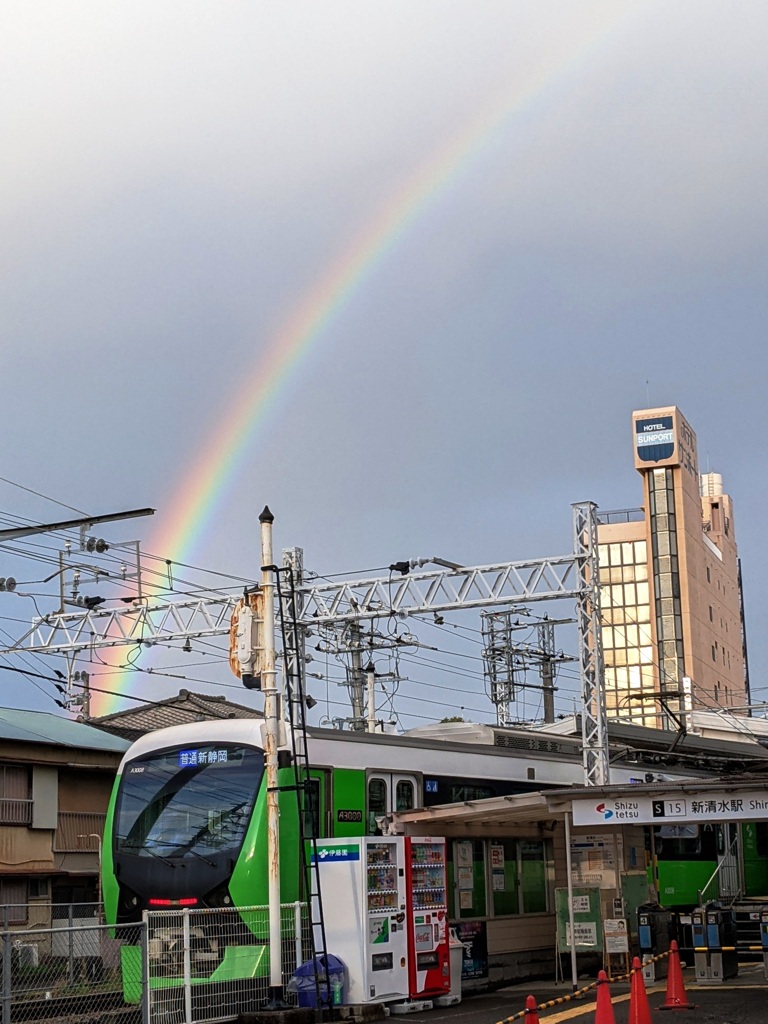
196, 800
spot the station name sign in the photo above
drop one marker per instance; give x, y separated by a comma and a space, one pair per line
661, 808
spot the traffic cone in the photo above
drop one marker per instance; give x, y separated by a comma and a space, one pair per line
639, 1010
531, 1011
676, 999
604, 1012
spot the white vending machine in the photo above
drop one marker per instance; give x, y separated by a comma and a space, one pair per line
362, 882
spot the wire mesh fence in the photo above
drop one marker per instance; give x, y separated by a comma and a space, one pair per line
188, 966
211, 965
74, 968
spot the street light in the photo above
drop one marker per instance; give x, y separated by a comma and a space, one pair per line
97, 837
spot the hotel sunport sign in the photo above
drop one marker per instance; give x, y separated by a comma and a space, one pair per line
671, 808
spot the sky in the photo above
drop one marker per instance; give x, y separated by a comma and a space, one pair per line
400, 272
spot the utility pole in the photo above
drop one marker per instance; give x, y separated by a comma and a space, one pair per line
356, 676
546, 631
370, 680
506, 662
271, 741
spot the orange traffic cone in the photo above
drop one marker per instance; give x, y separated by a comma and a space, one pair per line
531, 1011
604, 1012
639, 1010
676, 998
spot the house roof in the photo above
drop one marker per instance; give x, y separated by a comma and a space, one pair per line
44, 727
181, 709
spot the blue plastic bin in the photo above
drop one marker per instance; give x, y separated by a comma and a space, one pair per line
330, 972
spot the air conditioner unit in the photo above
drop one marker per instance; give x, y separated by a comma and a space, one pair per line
27, 954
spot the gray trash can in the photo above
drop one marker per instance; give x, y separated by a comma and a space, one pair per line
456, 947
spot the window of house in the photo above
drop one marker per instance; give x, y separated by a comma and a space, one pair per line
14, 898
15, 793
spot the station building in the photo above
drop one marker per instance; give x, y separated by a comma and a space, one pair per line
671, 605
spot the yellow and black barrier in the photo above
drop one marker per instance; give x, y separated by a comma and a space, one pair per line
579, 993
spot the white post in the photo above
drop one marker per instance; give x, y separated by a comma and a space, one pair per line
271, 739
571, 924
187, 953
297, 936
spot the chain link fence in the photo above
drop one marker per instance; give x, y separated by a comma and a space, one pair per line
176, 967
71, 970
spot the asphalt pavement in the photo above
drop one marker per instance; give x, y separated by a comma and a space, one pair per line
740, 1000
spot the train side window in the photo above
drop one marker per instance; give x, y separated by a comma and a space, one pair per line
377, 804
677, 842
312, 809
404, 796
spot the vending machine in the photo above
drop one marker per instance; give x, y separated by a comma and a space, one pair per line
427, 918
363, 887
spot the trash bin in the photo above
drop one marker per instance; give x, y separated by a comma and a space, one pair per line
307, 979
456, 947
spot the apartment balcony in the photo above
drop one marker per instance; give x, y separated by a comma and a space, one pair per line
75, 850
15, 812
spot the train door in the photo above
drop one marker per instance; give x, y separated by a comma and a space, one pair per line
728, 860
386, 794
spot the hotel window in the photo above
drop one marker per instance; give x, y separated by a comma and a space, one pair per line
626, 633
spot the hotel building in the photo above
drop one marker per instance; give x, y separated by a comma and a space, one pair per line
671, 606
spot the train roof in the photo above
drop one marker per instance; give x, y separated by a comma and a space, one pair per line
475, 751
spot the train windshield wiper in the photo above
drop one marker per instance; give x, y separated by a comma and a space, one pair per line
137, 848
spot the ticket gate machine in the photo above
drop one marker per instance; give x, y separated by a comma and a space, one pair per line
764, 939
654, 930
714, 940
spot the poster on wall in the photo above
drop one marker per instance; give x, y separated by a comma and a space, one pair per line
474, 963
464, 855
465, 878
593, 859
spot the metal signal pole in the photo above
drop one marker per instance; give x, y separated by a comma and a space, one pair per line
271, 741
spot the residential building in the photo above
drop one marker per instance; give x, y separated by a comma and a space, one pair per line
671, 606
56, 777
182, 709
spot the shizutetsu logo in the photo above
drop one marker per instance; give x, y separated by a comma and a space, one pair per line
605, 811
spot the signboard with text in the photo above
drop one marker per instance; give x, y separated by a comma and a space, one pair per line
663, 437
661, 808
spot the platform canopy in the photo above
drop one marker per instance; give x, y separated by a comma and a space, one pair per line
658, 803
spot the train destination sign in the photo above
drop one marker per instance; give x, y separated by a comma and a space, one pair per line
671, 808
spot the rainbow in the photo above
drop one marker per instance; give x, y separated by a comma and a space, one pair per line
217, 466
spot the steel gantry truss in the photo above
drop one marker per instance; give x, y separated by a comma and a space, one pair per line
572, 576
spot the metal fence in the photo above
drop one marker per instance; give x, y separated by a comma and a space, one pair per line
176, 967
211, 965
68, 970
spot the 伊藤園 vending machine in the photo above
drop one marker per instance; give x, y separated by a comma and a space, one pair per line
363, 887
427, 917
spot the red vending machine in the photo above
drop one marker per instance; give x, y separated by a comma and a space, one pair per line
427, 917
